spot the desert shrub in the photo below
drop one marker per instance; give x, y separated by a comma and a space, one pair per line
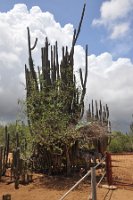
121, 143
24, 138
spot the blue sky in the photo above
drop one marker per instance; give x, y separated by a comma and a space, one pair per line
107, 29
69, 12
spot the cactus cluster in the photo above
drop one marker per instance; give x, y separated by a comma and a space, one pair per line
55, 83
4, 150
54, 101
15, 166
99, 113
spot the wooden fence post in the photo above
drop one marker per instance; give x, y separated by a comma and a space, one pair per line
93, 183
6, 197
109, 168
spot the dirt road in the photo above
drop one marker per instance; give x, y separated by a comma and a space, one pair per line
49, 188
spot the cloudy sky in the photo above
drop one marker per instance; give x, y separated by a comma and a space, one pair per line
108, 31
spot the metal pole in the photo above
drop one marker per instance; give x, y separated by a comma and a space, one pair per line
93, 183
87, 174
101, 179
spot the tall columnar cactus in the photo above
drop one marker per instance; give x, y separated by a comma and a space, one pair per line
56, 78
54, 102
101, 115
83, 83
31, 65
16, 167
6, 150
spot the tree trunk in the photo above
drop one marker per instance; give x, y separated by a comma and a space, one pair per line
68, 167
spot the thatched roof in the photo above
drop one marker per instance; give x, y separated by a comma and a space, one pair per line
94, 129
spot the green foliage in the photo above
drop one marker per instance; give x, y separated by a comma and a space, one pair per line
2, 130
131, 128
121, 143
25, 139
53, 102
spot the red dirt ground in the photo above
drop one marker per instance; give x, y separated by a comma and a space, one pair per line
122, 168
52, 188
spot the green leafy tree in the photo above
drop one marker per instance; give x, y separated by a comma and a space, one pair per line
54, 103
120, 142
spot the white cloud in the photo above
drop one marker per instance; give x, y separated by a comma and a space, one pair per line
116, 9
120, 30
116, 17
111, 81
108, 79
13, 50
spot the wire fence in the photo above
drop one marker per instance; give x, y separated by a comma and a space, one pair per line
94, 184
120, 170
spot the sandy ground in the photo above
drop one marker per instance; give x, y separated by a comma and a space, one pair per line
122, 168
52, 188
